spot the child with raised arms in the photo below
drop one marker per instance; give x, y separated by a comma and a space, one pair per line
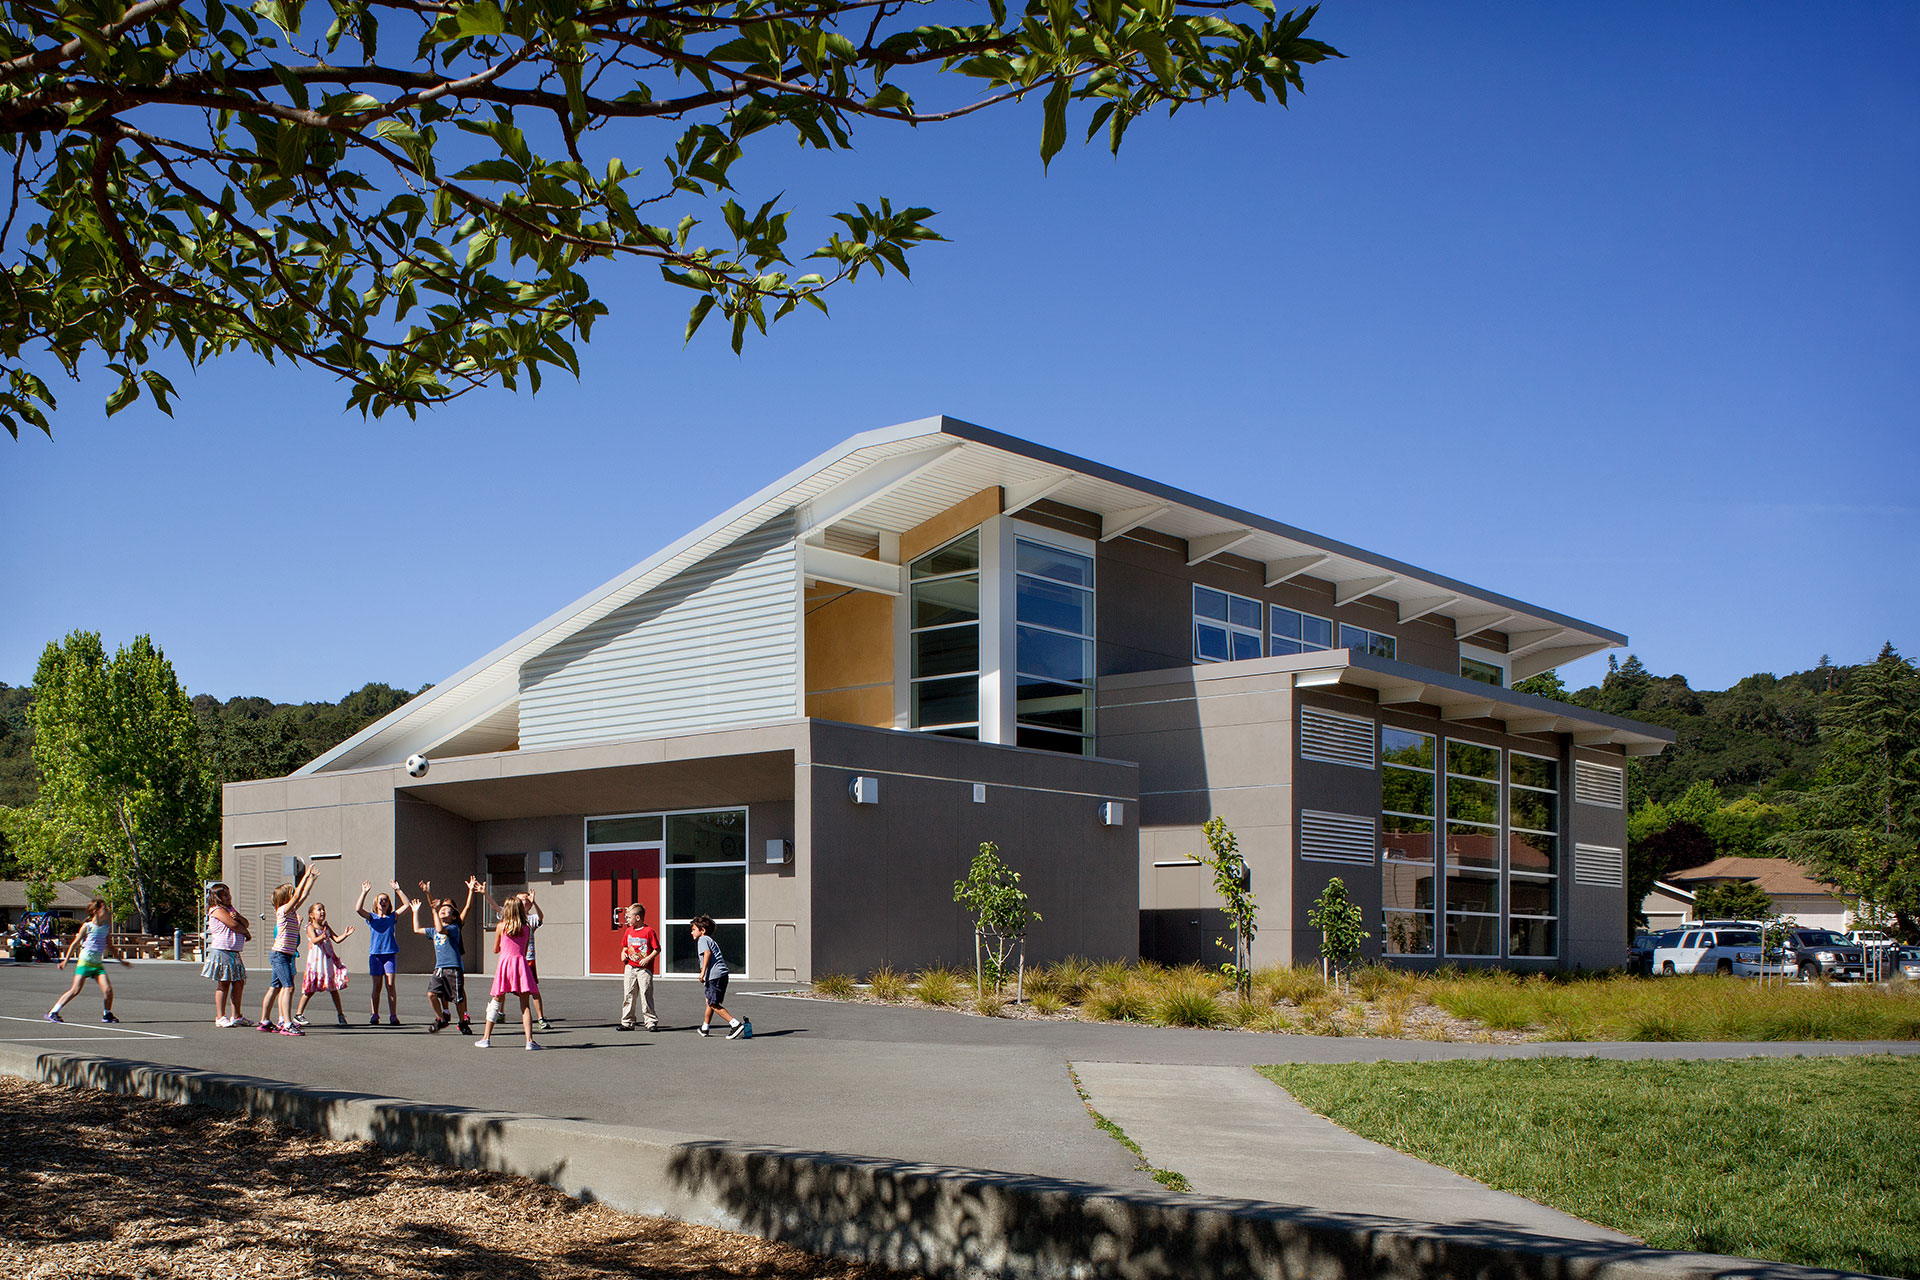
286, 945
383, 947
324, 970
93, 942
447, 990
227, 932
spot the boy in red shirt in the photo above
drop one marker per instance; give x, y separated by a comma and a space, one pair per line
641, 953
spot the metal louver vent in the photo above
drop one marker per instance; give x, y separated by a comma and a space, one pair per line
1336, 739
1336, 837
1599, 784
1599, 866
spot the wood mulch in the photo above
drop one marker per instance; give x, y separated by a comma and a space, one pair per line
99, 1185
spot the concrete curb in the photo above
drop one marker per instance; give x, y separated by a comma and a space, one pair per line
950, 1224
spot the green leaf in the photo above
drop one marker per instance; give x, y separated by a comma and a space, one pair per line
698, 314
1053, 129
123, 395
480, 18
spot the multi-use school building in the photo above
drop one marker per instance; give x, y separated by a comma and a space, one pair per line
803, 717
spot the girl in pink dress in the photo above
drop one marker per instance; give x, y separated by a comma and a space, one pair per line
324, 970
513, 975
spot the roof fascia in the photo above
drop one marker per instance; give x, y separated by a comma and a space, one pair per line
1168, 493
853, 444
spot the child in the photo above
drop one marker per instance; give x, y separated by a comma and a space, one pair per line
447, 990
713, 976
324, 970
512, 976
641, 955
531, 910
227, 932
286, 944
93, 942
383, 948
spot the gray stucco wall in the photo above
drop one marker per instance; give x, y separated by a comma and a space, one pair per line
883, 874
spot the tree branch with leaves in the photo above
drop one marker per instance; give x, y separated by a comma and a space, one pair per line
414, 195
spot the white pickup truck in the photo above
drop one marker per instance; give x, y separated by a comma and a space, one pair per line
1722, 951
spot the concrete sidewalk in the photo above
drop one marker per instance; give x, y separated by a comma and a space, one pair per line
1234, 1133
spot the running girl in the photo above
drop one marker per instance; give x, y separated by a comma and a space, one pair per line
93, 942
227, 932
324, 970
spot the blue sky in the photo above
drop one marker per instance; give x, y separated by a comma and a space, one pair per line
1616, 310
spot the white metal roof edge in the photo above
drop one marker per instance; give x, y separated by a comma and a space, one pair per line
560, 619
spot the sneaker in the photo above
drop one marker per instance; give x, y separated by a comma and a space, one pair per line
543, 1025
288, 1029
441, 1023
704, 1031
267, 1027
739, 1029
53, 1015
392, 1020
533, 1044
483, 1043
223, 1022
374, 1021
300, 1020
342, 1020
466, 1028
626, 1026
108, 1016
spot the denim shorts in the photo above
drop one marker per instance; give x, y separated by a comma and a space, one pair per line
384, 966
717, 990
282, 969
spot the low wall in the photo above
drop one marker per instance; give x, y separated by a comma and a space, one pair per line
945, 1223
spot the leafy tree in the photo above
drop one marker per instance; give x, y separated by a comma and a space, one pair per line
1731, 900
1231, 884
992, 895
1859, 824
1338, 919
412, 196
123, 789
1547, 684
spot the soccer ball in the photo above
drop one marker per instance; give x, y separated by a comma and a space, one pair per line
417, 766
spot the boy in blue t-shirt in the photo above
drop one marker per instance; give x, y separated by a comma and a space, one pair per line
713, 977
447, 989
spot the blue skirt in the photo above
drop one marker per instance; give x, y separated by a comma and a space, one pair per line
224, 966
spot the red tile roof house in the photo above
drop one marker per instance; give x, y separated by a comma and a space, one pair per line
802, 718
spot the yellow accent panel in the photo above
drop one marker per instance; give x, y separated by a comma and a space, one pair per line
968, 513
871, 706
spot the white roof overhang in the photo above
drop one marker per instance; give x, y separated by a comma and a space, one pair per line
855, 499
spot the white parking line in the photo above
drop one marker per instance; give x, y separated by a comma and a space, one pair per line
107, 1028
59, 1039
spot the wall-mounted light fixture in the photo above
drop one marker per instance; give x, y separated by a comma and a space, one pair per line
551, 863
864, 790
1113, 813
779, 852
979, 793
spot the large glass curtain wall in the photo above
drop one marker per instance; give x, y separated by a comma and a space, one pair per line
1431, 787
705, 869
1054, 648
944, 633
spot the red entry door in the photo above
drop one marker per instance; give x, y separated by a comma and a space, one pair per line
619, 878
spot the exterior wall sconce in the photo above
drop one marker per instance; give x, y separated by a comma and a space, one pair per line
864, 790
551, 863
1113, 813
779, 852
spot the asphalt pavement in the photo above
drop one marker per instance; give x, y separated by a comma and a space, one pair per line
939, 1088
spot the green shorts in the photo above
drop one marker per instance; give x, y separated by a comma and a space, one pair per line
85, 968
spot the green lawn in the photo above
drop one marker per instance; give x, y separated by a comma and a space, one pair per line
1805, 1160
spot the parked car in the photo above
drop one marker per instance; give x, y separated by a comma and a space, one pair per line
1872, 939
1722, 951
1822, 953
1640, 952
1906, 963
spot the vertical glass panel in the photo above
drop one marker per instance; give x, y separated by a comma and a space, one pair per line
1052, 705
1407, 933
1057, 657
720, 892
957, 556
1316, 633
1286, 622
1381, 646
681, 957
1532, 771
1473, 893
1471, 845
1484, 672
1279, 647
1533, 854
1470, 801
1049, 604
707, 837
1242, 612
1352, 637
1534, 810
1404, 791
1473, 935
1245, 645
1048, 740
1401, 746
1208, 603
949, 600
1407, 888
1527, 897
645, 830
1209, 643
952, 701
1473, 760
1052, 562
1406, 839
1533, 937
948, 651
